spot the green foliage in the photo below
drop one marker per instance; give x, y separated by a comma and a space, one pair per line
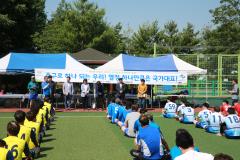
76, 26
19, 20
225, 38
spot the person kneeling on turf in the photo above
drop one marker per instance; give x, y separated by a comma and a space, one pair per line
231, 125
149, 145
123, 114
203, 115
170, 109
131, 118
214, 121
187, 114
5, 154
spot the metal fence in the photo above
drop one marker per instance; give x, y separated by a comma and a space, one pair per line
222, 69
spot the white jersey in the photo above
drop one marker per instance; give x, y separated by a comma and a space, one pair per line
188, 114
215, 119
131, 119
170, 107
194, 155
232, 121
204, 115
180, 108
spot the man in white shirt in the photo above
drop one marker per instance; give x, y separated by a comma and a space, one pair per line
130, 120
85, 88
184, 141
67, 92
170, 109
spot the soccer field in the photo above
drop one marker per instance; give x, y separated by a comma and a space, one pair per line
90, 136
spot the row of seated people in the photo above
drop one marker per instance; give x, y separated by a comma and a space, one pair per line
26, 132
223, 120
148, 137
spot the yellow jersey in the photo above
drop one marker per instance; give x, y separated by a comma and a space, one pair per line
41, 116
3, 153
24, 133
36, 128
16, 146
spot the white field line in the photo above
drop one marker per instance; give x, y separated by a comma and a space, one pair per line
71, 117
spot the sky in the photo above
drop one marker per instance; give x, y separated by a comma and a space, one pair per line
132, 13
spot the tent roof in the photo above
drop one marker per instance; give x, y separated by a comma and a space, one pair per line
91, 55
27, 62
168, 63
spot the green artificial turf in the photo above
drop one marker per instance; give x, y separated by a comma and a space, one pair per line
89, 136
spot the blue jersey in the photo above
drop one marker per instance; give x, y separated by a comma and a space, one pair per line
149, 139
120, 113
125, 112
214, 122
188, 115
233, 125
170, 110
137, 126
109, 109
115, 110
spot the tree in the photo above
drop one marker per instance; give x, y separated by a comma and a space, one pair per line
111, 41
225, 38
188, 39
171, 36
143, 40
19, 20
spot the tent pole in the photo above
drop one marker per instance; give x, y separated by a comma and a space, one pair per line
206, 98
151, 96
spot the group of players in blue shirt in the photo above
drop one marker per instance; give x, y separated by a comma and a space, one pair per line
137, 123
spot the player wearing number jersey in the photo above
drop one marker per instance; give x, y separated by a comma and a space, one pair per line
170, 109
115, 110
203, 116
214, 121
5, 154
187, 115
14, 144
232, 123
30, 122
109, 108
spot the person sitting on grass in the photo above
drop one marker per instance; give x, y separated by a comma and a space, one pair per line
203, 115
5, 154
231, 125
180, 108
123, 114
185, 143
224, 107
188, 115
115, 110
170, 109
221, 156
131, 118
30, 122
237, 107
214, 121
16, 145
175, 151
109, 108
25, 133
137, 124
149, 145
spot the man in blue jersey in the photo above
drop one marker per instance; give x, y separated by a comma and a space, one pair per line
123, 113
203, 115
187, 114
149, 145
109, 108
231, 125
137, 124
214, 121
170, 109
115, 110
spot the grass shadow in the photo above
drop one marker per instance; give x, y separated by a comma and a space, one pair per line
48, 140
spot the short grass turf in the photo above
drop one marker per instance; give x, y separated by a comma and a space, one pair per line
90, 136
